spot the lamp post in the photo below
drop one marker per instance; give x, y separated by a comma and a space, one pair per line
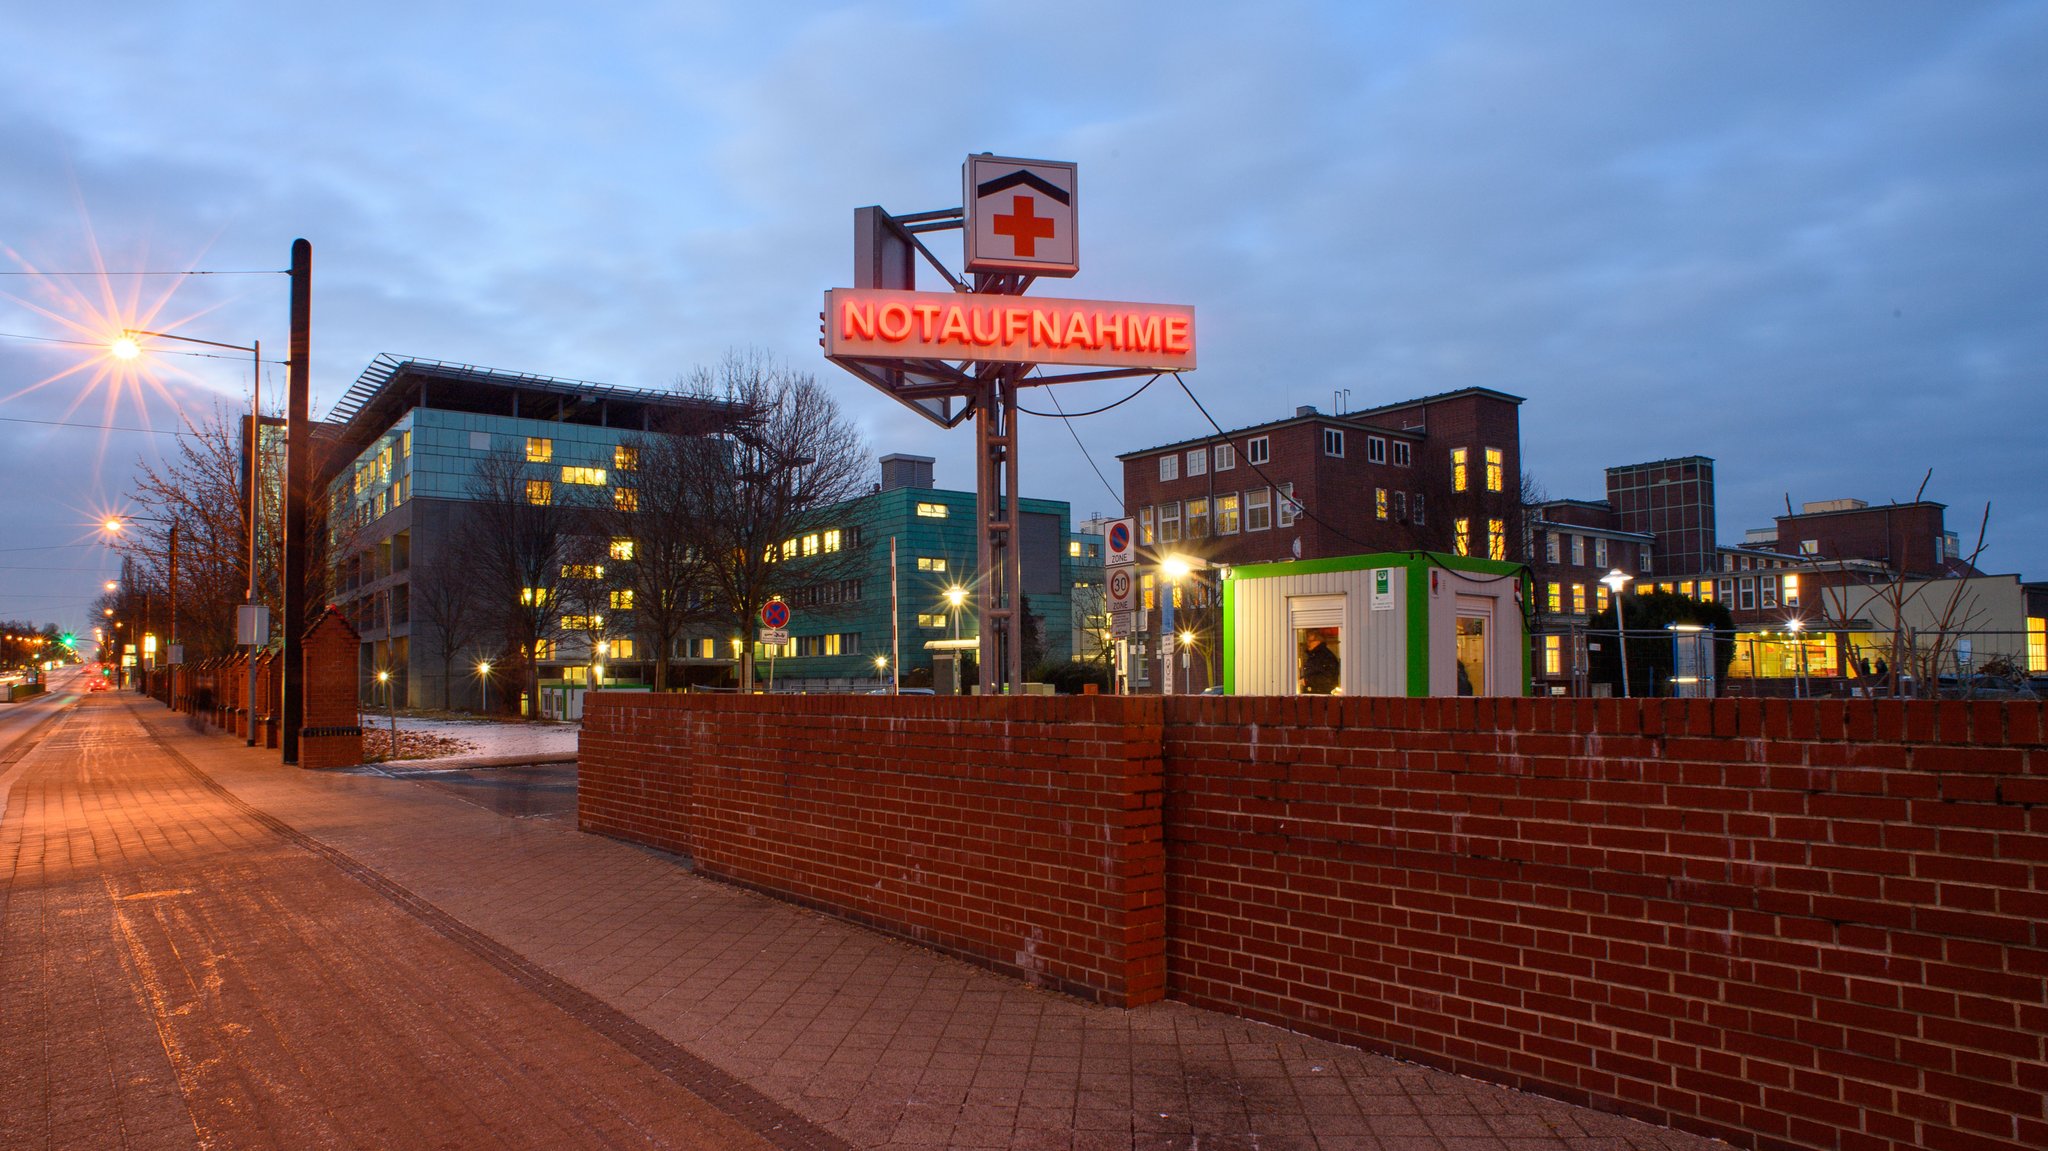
127, 348
483, 671
391, 708
113, 526
1615, 580
1794, 626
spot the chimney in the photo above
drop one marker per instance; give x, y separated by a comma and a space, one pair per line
1306, 410
900, 471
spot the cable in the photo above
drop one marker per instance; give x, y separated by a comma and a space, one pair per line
196, 272
152, 351
1114, 495
98, 427
1064, 415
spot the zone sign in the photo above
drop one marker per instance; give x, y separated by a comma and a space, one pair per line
1021, 216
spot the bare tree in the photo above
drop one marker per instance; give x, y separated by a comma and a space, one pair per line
654, 542
518, 536
758, 498
446, 600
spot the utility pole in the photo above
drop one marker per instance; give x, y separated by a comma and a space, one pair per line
298, 454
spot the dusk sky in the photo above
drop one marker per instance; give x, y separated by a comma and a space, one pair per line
1809, 240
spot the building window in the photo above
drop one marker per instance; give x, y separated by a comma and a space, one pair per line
1169, 466
529, 596
1381, 506
2037, 644
1401, 453
1375, 449
833, 540
1578, 551
1579, 599
1461, 536
1458, 461
1198, 518
1333, 442
706, 648
1791, 589
1257, 450
932, 622
931, 563
405, 443
591, 476
1288, 508
1496, 539
1769, 590
1148, 532
622, 599
1418, 509
1647, 566
1550, 547
1226, 457
1496, 477
1198, 462
626, 459
1556, 597
539, 450
1401, 506
1600, 598
582, 571
1258, 509
625, 499
932, 511
1600, 553
543, 650
1226, 514
1148, 591
1553, 655
621, 649
811, 544
1728, 591
1169, 523
1748, 593
1074, 549
582, 623
540, 492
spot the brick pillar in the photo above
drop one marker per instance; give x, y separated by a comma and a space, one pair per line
331, 735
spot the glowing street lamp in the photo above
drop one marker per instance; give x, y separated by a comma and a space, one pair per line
1175, 568
1615, 580
1793, 627
113, 526
483, 671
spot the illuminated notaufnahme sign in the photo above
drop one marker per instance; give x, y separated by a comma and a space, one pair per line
882, 324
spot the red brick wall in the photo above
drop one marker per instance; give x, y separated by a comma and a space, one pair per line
1021, 833
1809, 924
1815, 924
329, 735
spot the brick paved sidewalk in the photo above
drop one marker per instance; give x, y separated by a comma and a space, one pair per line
868, 1040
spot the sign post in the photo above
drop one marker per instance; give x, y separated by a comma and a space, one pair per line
774, 633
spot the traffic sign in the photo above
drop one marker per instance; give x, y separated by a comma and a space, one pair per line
1020, 216
774, 636
1121, 539
1121, 589
775, 615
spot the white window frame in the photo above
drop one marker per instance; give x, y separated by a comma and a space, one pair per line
1226, 458
1599, 553
1402, 454
1198, 462
1259, 500
1333, 443
1257, 450
1169, 466
1169, 522
1284, 509
1375, 449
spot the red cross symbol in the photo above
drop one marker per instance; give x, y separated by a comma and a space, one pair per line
1023, 226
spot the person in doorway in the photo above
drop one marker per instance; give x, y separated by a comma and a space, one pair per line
1320, 671
1464, 679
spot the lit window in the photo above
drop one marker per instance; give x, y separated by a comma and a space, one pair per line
1226, 457
1556, 597
2037, 644
1169, 466
1226, 515
622, 599
1706, 591
1198, 518
932, 511
540, 492
931, 621
590, 476
1380, 503
1600, 598
383, 502
1579, 599
1333, 442
1461, 536
789, 551
539, 450
1257, 450
1169, 523
1553, 655
1147, 532
1791, 589
622, 649
1496, 539
931, 563
1148, 590
1074, 549
626, 459
1550, 547
622, 548
1457, 469
1685, 589
1769, 591
1258, 509
530, 596
544, 649
1198, 462
1375, 450
706, 648
405, 444
1401, 453
811, 544
582, 571
1495, 474
626, 499
582, 623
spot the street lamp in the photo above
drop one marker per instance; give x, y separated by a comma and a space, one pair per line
1615, 580
128, 348
391, 708
113, 526
1175, 568
1794, 627
483, 671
